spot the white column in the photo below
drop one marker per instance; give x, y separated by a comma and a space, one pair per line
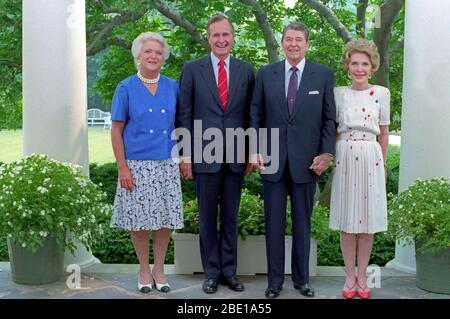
54, 86
425, 148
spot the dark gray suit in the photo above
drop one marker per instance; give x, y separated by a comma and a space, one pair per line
309, 131
217, 184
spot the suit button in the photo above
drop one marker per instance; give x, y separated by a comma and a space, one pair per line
150, 110
151, 131
163, 111
165, 132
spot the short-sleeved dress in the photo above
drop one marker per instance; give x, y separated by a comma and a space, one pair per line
358, 194
155, 202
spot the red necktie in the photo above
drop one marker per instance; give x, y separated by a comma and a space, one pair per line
223, 84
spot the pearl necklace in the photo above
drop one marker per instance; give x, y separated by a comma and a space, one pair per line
148, 81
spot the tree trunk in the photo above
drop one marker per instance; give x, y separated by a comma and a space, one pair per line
382, 35
381, 39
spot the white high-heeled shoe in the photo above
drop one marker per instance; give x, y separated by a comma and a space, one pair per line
144, 288
165, 287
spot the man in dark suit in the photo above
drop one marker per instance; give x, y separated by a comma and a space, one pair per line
216, 90
294, 97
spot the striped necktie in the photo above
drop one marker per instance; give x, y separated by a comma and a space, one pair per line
223, 84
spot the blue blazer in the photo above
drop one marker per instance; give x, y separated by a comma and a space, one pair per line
149, 119
311, 128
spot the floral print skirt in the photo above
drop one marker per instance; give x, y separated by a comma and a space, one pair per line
155, 202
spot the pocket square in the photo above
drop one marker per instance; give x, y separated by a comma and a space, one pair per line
313, 92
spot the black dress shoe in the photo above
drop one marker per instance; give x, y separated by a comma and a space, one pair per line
306, 290
232, 282
272, 293
210, 285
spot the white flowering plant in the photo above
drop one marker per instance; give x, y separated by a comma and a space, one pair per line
41, 197
421, 214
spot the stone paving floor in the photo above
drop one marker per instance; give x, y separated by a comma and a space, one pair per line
114, 281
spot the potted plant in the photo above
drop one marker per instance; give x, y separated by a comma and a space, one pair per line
251, 241
421, 214
41, 200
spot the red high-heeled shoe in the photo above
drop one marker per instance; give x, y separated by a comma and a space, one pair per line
349, 293
364, 294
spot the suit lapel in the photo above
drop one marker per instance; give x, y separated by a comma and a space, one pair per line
278, 83
208, 75
303, 89
235, 75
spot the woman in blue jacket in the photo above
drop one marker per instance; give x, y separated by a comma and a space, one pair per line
148, 194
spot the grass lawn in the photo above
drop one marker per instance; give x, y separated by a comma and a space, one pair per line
100, 150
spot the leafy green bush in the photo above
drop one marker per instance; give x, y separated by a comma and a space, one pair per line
41, 197
383, 249
251, 218
3, 250
421, 213
191, 218
254, 184
329, 250
393, 169
106, 175
115, 246
188, 190
251, 215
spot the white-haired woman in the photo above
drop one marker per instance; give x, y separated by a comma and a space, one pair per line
358, 195
148, 195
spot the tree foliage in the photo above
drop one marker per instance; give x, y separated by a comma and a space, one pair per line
10, 64
113, 24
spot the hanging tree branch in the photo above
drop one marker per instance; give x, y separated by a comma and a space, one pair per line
389, 11
107, 9
95, 46
361, 17
397, 46
331, 17
182, 22
104, 30
263, 21
10, 63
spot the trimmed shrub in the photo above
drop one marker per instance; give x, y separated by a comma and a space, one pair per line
393, 169
329, 250
106, 175
3, 250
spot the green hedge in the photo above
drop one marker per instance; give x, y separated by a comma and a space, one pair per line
329, 250
115, 245
3, 250
3, 245
393, 169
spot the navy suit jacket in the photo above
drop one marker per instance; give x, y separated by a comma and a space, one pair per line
199, 100
311, 128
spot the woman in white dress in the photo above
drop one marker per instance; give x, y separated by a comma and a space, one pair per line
358, 206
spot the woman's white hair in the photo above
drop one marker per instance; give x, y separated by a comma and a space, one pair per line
148, 36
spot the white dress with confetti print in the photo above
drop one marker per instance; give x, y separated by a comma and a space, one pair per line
358, 193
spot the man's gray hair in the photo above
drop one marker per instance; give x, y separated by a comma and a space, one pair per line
216, 18
296, 26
